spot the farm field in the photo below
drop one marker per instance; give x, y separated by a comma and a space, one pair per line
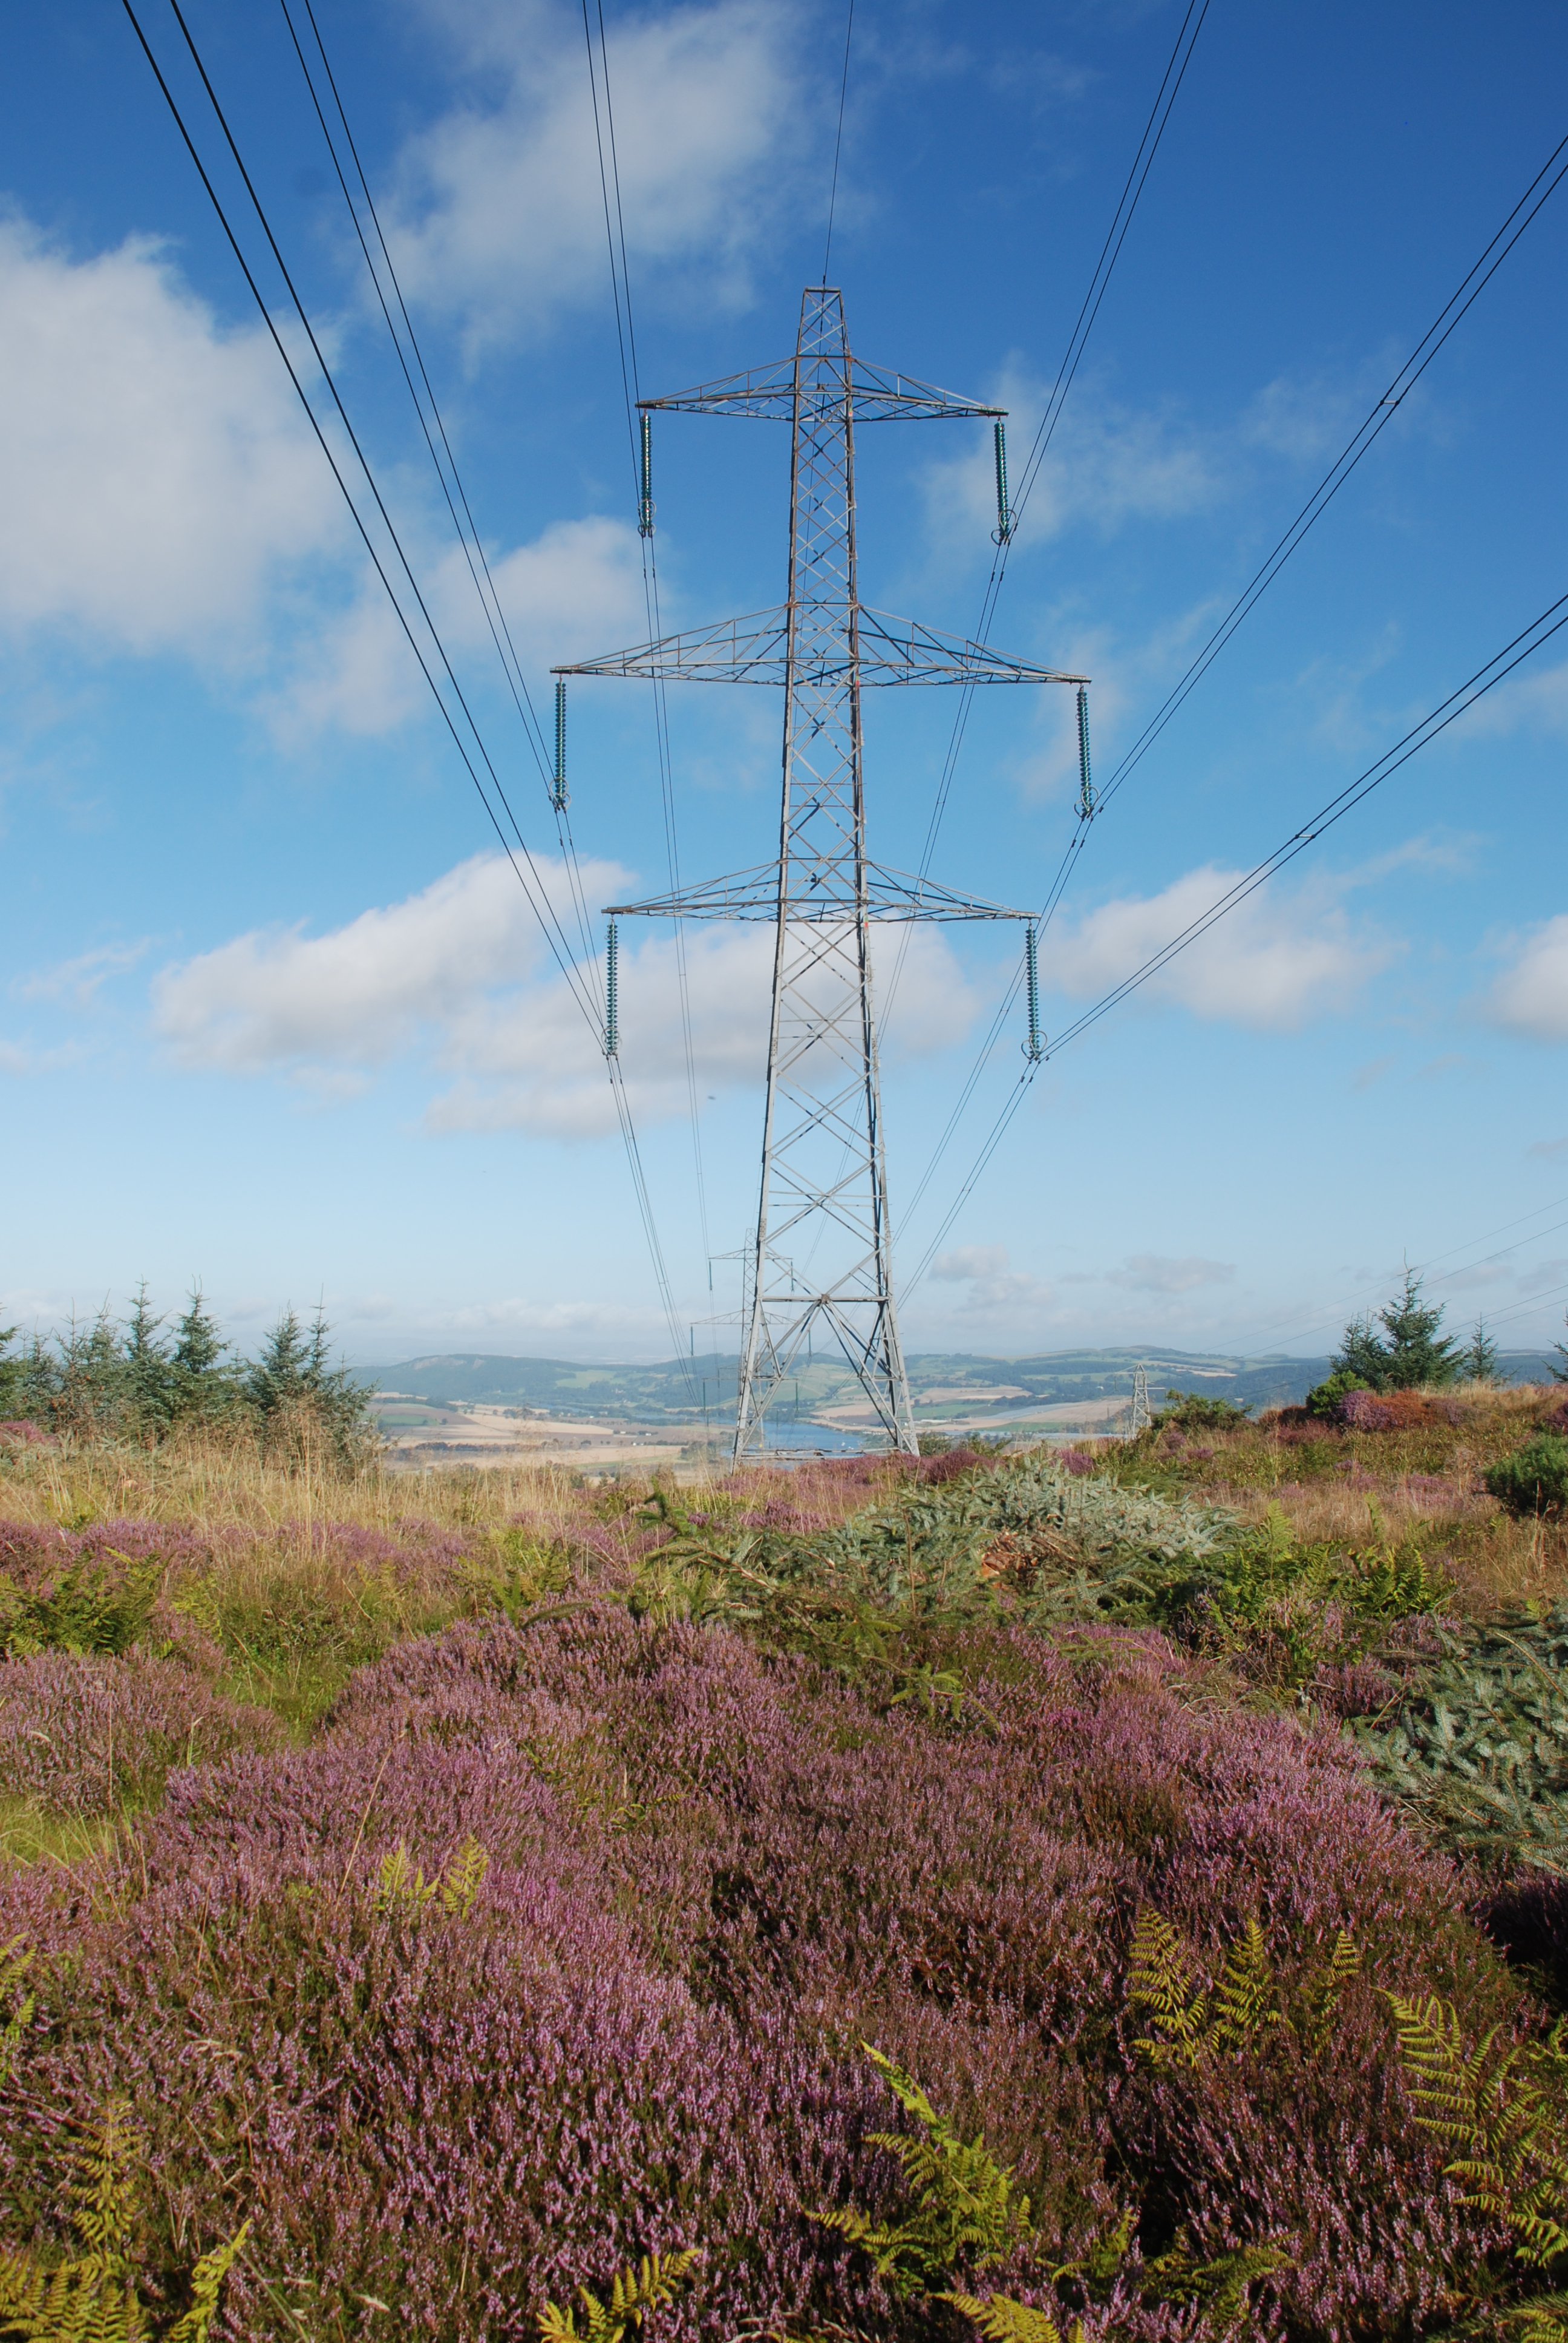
1063, 1886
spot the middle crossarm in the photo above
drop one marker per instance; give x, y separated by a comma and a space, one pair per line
752, 650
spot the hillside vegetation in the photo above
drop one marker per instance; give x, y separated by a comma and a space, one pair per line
1122, 1892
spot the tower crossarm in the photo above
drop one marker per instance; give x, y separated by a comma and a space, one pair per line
877, 394
756, 649
890, 896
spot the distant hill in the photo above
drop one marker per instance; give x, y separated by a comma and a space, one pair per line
609, 1392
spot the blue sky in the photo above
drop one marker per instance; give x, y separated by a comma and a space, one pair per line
272, 1015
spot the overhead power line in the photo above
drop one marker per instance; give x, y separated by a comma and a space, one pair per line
526, 871
1525, 211
1127, 203
1382, 413
1485, 679
631, 389
1291, 1328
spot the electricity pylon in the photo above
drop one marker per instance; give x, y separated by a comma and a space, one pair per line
824, 1179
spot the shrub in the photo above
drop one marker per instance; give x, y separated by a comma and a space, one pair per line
1324, 1399
1534, 1479
1412, 1350
1201, 1411
1480, 1748
92, 1736
1396, 1411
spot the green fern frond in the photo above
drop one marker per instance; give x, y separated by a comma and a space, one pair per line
463, 1878
649, 2285
102, 2188
1162, 1981
1244, 1998
908, 2093
1325, 1991
15, 1960
1219, 2287
965, 2209
206, 2285
94, 2297
401, 1887
1101, 2264
1508, 2129
1002, 2320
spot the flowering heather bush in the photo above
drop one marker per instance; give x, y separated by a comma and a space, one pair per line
93, 1736
711, 1874
1399, 1411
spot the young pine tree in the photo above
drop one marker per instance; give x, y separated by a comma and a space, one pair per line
1418, 1353
149, 1386
301, 1398
1478, 1361
1362, 1358
1560, 1351
208, 1382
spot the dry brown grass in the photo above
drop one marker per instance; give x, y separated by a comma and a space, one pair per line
1420, 1486
212, 1486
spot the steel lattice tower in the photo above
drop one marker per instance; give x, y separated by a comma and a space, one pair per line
821, 1254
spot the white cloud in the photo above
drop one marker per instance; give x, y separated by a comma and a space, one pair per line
1533, 702
498, 219
155, 473
1276, 960
80, 979
1532, 996
996, 1290
527, 1062
361, 995
163, 493
970, 1261
575, 590
21, 1058
456, 978
1153, 1273
1107, 465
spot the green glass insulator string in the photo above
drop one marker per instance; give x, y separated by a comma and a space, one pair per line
1034, 1048
1002, 532
560, 796
1085, 786
645, 500
612, 990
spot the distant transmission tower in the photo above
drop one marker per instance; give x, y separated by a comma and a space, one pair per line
824, 1185
1141, 1415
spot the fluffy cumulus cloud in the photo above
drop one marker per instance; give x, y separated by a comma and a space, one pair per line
1531, 996
1154, 1272
1108, 464
164, 494
458, 980
1533, 702
156, 475
498, 219
1275, 961
995, 1290
576, 590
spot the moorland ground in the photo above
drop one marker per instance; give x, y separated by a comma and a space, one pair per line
456, 1887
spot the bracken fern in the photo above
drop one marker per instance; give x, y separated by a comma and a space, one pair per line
93, 2296
1002, 2320
651, 2284
966, 2212
1507, 2123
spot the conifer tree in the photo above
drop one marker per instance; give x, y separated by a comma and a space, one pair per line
1479, 1361
1410, 1350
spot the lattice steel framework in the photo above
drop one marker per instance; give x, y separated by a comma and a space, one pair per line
824, 1186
